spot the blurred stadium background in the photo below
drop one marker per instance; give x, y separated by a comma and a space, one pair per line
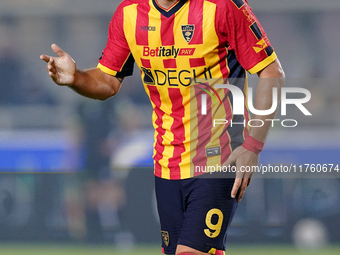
76, 173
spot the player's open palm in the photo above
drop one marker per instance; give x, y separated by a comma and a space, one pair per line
61, 69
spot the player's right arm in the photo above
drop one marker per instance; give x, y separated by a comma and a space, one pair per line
104, 81
92, 83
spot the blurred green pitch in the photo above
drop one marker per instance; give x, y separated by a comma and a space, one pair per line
70, 249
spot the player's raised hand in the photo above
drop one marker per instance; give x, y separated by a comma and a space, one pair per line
61, 69
242, 158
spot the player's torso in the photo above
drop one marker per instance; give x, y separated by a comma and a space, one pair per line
176, 49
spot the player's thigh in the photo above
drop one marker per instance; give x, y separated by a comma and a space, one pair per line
209, 212
170, 207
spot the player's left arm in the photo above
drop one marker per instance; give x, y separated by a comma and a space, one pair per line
271, 77
254, 52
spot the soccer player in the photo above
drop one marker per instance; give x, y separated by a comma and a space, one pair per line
180, 47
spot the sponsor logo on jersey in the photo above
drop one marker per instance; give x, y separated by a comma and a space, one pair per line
165, 237
148, 77
186, 51
163, 51
148, 28
260, 45
173, 77
188, 32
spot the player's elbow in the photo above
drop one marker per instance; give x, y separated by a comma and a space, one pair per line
111, 84
109, 88
102, 98
280, 73
105, 96
281, 76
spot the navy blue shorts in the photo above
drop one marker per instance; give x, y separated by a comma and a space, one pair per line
195, 212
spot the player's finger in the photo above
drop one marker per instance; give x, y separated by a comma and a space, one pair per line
51, 69
237, 182
57, 50
249, 180
53, 76
45, 58
245, 183
242, 189
51, 65
236, 186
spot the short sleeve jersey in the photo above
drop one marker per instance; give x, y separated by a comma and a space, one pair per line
176, 49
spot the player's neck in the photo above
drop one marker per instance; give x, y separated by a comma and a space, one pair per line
166, 3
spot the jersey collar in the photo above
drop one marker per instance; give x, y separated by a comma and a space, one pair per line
170, 11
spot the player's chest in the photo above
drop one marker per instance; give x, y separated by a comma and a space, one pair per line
185, 27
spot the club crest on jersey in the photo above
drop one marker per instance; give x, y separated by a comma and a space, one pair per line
188, 32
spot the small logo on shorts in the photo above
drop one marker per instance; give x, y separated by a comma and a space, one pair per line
213, 151
165, 237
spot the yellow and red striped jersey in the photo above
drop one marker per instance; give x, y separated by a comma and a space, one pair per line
194, 42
